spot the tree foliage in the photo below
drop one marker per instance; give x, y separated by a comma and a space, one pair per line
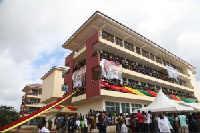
7, 115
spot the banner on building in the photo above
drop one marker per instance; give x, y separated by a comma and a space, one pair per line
78, 77
111, 70
172, 73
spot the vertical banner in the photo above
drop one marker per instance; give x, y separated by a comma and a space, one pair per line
78, 77
111, 70
172, 73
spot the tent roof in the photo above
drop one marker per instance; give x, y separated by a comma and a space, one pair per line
163, 103
193, 105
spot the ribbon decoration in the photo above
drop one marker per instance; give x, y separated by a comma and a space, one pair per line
72, 108
145, 92
34, 115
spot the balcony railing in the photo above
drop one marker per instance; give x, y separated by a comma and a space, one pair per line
34, 94
32, 102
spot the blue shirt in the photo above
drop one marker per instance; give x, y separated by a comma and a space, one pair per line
182, 120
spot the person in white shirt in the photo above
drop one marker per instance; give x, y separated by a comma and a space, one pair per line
128, 122
148, 121
86, 125
164, 124
124, 128
42, 129
78, 125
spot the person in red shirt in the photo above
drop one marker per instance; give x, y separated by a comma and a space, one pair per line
140, 121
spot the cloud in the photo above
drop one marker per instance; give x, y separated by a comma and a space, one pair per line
31, 33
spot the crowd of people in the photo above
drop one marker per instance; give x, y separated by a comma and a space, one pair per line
126, 122
131, 65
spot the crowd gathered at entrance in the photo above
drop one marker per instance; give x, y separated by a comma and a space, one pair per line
125, 122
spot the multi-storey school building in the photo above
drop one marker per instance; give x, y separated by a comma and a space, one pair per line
31, 102
102, 44
38, 95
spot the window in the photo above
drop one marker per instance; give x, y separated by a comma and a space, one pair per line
124, 81
138, 50
107, 36
158, 60
164, 62
143, 84
152, 57
164, 90
125, 107
145, 105
64, 88
112, 107
179, 69
157, 88
136, 106
119, 41
151, 86
130, 81
63, 74
128, 46
145, 54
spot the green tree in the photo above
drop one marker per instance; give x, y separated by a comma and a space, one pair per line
7, 115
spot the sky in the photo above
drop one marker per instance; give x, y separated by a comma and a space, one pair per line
32, 33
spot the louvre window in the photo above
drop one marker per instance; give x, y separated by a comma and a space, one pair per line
158, 60
63, 74
108, 36
128, 46
152, 57
64, 88
119, 41
138, 50
145, 54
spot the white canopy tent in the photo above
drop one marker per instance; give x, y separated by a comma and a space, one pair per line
193, 105
163, 104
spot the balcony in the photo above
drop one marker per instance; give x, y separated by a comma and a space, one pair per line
34, 95
133, 73
34, 104
137, 52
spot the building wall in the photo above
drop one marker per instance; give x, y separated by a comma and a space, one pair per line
194, 85
48, 87
58, 82
52, 84
94, 105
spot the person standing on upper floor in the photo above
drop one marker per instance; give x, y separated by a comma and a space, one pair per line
140, 121
183, 124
